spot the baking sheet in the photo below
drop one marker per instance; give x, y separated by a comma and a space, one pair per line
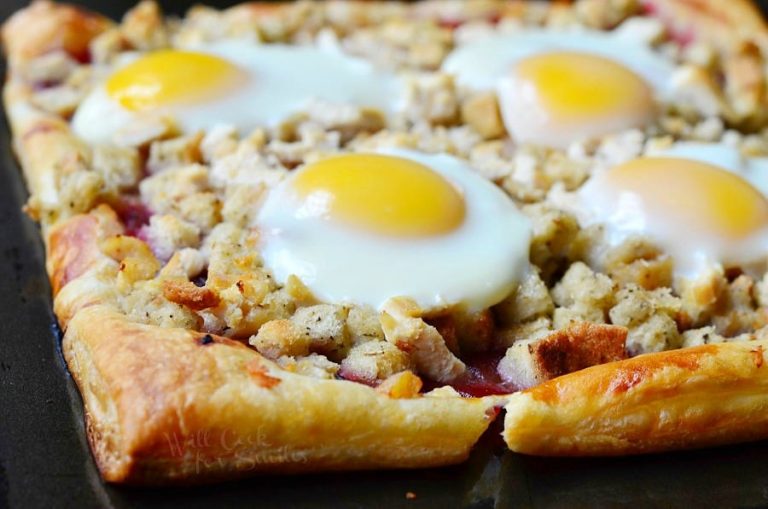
44, 460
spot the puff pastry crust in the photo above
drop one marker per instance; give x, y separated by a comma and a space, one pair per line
174, 405
166, 405
693, 397
171, 404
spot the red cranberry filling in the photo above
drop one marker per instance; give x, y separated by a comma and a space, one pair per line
481, 378
680, 35
133, 214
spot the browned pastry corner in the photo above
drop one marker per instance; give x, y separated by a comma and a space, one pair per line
694, 397
174, 405
46, 26
177, 405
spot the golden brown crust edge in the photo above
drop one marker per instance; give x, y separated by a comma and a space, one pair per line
46, 148
46, 26
693, 397
47, 151
174, 405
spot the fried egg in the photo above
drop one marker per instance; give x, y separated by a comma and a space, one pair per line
365, 227
230, 82
556, 88
727, 157
699, 213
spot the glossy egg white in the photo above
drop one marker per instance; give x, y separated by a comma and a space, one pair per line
282, 80
694, 246
490, 64
728, 157
473, 267
480, 64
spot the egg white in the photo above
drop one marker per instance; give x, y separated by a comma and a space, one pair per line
490, 64
474, 266
694, 252
282, 80
728, 157
480, 65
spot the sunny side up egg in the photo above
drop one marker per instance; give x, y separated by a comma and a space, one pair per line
727, 157
701, 214
557, 88
365, 227
229, 82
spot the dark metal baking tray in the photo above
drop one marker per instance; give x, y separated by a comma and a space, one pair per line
44, 460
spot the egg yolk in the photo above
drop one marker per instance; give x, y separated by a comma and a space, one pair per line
697, 194
380, 194
572, 85
171, 77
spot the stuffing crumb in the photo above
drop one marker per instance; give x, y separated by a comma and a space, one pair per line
700, 297
580, 345
320, 329
474, 331
166, 234
535, 329
420, 45
529, 301
161, 191
375, 360
119, 167
249, 295
701, 336
363, 325
635, 305
491, 159
349, 121
446, 391
147, 304
582, 295
403, 328
185, 263
650, 317
738, 311
279, 338
51, 67
325, 326
637, 261
241, 204
189, 295
433, 98
481, 111
143, 27
656, 334
695, 90
179, 151
219, 141
555, 234
314, 365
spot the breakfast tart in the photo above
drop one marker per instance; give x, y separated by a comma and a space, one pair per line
339, 235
